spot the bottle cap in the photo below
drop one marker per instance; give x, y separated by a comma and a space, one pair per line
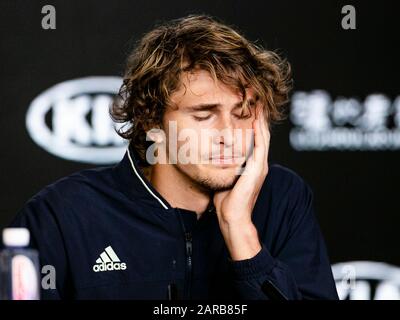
16, 237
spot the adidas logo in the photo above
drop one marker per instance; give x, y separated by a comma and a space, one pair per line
108, 261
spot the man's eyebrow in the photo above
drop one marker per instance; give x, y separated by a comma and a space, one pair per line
203, 107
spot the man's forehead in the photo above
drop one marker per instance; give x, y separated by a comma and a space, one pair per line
199, 87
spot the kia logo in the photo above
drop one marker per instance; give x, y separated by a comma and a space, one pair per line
367, 280
71, 120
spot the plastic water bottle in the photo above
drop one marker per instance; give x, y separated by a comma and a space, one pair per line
19, 267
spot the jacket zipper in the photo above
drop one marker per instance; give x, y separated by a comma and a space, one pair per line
189, 251
188, 239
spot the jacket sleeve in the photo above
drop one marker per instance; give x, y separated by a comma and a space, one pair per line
38, 217
301, 268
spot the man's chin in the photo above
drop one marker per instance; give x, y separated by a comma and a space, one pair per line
213, 178
218, 182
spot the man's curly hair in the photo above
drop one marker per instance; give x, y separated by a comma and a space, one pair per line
154, 68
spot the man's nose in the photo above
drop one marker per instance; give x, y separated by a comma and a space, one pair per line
226, 129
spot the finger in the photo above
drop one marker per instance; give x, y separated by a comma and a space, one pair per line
266, 135
258, 163
258, 147
265, 132
263, 137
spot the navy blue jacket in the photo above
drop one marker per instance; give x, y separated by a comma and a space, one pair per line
110, 235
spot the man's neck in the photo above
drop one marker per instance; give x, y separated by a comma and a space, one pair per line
178, 189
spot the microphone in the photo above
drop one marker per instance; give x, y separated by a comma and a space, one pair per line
172, 292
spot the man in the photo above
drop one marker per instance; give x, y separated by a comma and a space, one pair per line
199, 217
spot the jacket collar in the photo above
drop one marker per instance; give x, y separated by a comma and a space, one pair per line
132, 182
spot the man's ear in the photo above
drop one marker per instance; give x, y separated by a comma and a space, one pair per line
155, 134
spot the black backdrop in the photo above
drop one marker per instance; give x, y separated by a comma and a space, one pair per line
356, 191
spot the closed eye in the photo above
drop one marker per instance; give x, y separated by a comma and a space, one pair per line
243, 113
242, 116
197, 118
